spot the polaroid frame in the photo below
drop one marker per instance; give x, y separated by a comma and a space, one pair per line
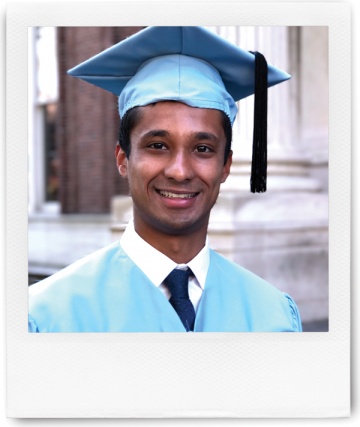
231, 375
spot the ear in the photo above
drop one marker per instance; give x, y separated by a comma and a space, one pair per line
226, 168
121, 161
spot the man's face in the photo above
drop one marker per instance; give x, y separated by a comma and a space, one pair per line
175, 167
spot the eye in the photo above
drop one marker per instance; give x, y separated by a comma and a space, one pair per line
157, 146
204, 149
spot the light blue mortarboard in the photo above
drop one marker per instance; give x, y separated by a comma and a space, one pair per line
191, 65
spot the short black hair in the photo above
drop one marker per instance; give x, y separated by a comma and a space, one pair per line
132, 117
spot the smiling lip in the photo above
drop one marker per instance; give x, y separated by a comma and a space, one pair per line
177, 195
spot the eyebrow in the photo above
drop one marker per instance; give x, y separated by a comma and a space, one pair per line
155, 133
201, 136
205, 136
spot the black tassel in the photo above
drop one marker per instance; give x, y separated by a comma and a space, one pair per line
259, 156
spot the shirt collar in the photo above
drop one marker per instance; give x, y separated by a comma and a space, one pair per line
146, 257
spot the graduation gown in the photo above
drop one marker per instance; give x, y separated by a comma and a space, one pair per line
107, 292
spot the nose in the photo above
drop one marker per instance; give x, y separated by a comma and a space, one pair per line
179, 167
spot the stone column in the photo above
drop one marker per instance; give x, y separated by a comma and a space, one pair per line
282, 235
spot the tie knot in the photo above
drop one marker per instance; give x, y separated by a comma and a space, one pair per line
177, 283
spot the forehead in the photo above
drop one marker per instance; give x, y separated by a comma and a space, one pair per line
176, 114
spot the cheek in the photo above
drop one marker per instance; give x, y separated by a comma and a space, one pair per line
213, 174
140, 173
151, 164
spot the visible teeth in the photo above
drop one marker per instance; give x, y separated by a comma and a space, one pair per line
177, 196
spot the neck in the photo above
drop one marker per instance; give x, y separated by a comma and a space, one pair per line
181, 248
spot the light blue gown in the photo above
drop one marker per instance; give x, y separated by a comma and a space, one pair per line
107, 292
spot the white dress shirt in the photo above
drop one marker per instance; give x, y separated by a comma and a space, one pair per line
157, 266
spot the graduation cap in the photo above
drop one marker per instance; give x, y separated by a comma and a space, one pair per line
191, 65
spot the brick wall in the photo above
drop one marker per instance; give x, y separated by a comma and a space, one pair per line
87, 125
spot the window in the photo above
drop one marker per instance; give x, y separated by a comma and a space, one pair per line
43, 97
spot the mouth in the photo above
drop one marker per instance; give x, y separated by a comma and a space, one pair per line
171, 195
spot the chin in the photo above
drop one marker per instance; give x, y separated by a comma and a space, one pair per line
182, 226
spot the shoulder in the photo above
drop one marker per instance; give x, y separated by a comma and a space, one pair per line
77, 298
76, 282
257, 296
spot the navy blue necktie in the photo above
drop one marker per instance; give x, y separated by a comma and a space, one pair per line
177, 283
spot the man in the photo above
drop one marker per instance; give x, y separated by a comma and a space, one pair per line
177, 88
